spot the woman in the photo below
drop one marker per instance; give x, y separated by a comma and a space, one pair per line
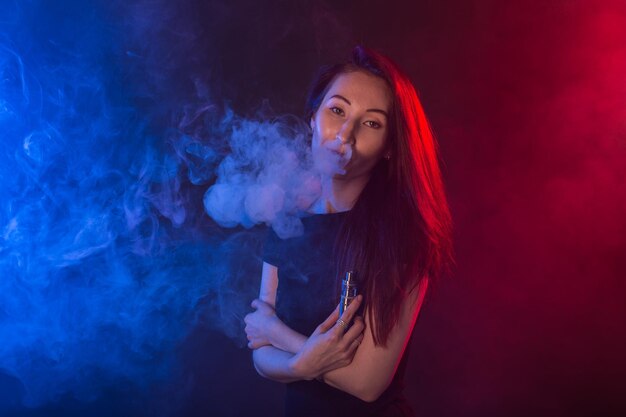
384, 215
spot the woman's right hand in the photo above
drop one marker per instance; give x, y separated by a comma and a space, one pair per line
330, 346
260, 324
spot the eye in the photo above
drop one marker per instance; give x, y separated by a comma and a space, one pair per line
373, 124
338, 111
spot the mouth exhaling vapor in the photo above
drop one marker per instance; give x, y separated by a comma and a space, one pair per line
333, 158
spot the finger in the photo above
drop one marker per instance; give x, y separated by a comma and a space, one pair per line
261, 306
355, 344
355, 331
253, 345
352, 308
256, 343
249, 333
249, 318
329, 322
346, 317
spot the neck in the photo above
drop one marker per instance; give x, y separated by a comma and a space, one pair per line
339, 194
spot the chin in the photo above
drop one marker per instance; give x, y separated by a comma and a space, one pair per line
345, 176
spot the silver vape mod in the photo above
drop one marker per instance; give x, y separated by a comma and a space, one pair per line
348, 291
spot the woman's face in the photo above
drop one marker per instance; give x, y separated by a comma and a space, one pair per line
351, 124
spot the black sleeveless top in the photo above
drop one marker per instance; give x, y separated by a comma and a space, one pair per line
308, 290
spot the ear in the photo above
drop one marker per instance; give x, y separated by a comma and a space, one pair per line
312, 121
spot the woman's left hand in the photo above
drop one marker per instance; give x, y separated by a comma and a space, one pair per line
260, 324
330, 346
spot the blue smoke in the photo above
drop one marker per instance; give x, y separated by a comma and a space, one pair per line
107, 258
267, 180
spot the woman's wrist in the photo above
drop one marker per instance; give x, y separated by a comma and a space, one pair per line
274, 332
298, 370
283, 337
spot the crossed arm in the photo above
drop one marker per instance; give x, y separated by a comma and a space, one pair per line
348, 361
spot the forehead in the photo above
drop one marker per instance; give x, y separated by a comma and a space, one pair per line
361, 89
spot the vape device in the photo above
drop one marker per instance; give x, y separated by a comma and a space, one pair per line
348, 291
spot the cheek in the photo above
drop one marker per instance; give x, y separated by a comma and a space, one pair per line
316, 146
326, 128
371, 144
315, 138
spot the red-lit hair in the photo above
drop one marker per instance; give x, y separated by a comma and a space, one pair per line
399, 230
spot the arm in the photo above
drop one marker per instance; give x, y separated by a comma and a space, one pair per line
275, 364
263, 326
373, 367
283, 354
329, 347
365, 375
269, 361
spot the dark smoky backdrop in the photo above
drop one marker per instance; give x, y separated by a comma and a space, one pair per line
528, 102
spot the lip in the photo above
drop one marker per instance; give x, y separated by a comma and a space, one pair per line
343, 158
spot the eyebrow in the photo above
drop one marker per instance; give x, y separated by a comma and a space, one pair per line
368, 110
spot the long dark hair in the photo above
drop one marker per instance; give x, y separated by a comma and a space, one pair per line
399, 230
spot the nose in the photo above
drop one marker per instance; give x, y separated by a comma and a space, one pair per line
346, 133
